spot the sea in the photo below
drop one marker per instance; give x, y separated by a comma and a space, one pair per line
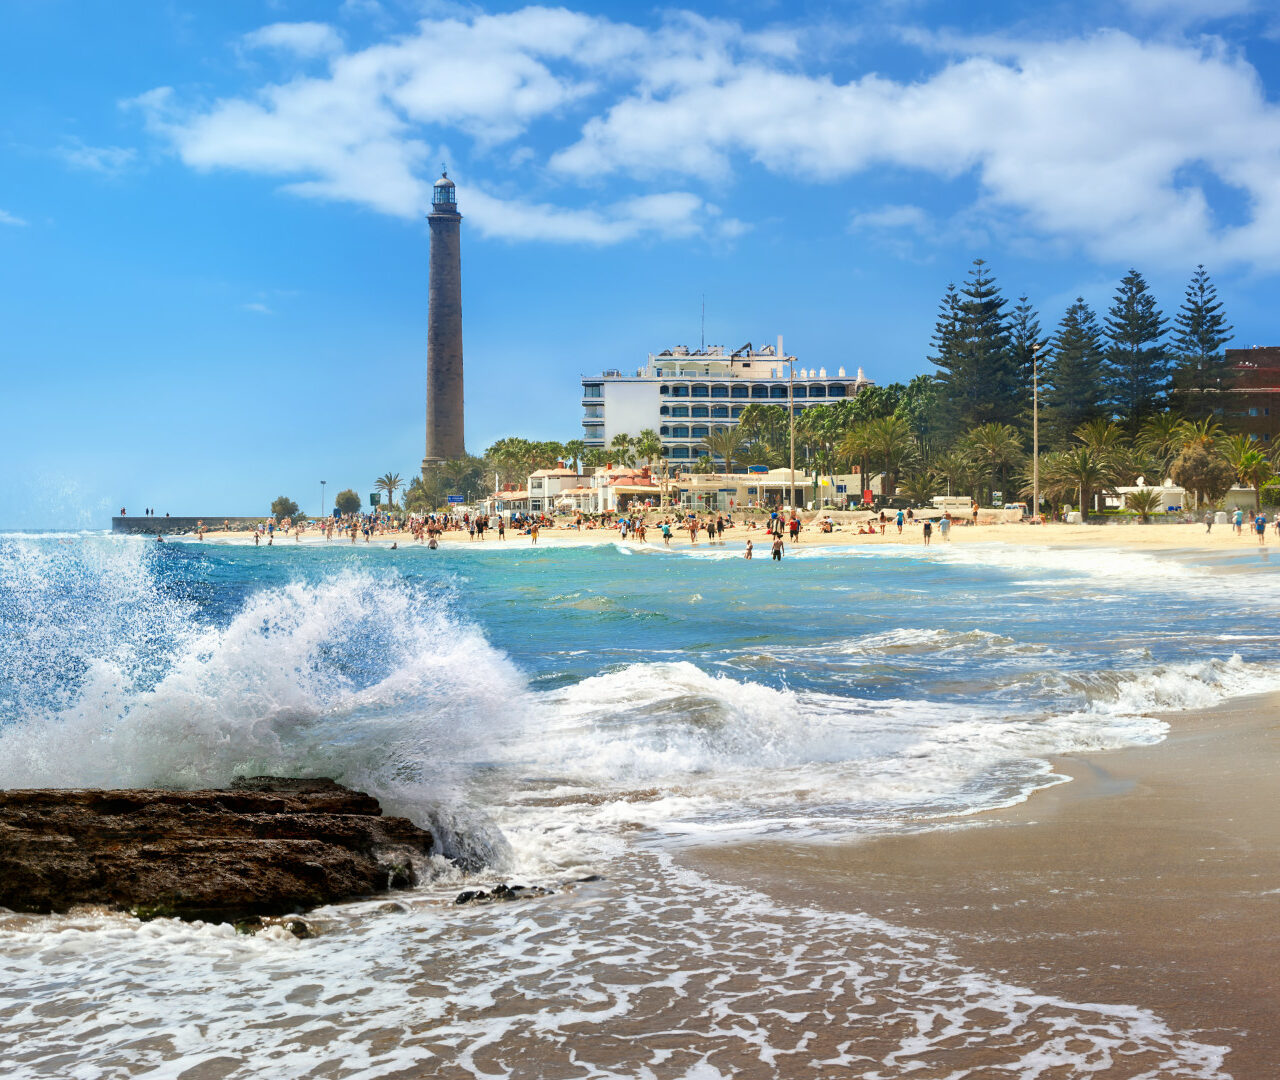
581, 717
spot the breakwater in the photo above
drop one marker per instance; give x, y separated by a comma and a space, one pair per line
149, 526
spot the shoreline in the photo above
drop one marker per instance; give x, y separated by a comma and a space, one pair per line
1151, 879
1182, 537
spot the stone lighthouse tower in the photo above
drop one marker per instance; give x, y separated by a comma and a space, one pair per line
444, 329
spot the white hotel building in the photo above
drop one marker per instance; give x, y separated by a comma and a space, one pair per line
683, 395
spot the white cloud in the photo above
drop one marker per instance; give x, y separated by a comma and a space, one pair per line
891, 217
1093, 142
1087, 139
302, 39
109, 160
258, 308
7, 218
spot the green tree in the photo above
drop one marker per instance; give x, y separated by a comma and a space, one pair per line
1250, 464
704, 464
1137, 367
1026, 342
648, 446
1084, 469
1074, 394
622, 449
957, 470
1203, 472
346, 502
573, 451
994, 449
920, 487
389, 483
1144, 502
465, 476
918, 405
978, 376
283, 507
893, 446
1200, 332
724, 443
1163, 437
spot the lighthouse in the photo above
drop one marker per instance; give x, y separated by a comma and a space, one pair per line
444, 328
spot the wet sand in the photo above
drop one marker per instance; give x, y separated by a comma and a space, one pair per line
1152, 879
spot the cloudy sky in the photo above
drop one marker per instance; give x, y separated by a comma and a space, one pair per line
213, 253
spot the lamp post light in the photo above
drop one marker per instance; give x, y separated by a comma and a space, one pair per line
322, 484
1035, 429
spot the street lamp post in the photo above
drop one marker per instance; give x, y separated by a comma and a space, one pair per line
322, 484
1035, 429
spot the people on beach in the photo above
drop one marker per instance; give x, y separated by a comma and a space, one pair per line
899, 522
748, 552
1260, 526
777, 547
944, 526
1208, 521
927, 530
1237, 521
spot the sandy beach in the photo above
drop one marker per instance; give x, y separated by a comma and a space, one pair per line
1151, 879
1130, 536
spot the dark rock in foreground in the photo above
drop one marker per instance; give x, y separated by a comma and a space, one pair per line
265, 846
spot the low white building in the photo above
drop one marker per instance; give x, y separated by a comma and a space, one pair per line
546, 485
684, 395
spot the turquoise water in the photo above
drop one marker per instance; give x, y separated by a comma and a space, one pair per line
553, 712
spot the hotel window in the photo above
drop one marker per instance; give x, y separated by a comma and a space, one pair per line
817, 391
799, 391
778, 392
679, 451
1253, 411
664, 388
679, 410
679, 432
720, 411
665, 410
679, 391
594, 390
759, 391
736, 411
835, 390
740, 391
664, 430
700, 431
700, 410
699, 391
719, 391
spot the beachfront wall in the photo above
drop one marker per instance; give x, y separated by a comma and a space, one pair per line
151, 526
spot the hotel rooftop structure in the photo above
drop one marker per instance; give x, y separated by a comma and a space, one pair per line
684, 395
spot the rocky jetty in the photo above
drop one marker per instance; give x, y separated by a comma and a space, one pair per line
265, 846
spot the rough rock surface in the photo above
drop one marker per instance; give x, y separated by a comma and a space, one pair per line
264, 846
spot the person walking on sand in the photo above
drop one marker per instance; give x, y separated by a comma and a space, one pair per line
1238, 521
1208, 521
975, 511
899, 522
927, 529
944, 526
502, 528
1260, 527
748, 554
777, 547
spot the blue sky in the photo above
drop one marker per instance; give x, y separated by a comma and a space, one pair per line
213, 258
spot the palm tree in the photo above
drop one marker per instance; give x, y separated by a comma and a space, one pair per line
993, 449
724, 443
573, 450
704, 464
1086, 470
462, 474
648, 445
1144, 501
956, 468
893, 444
1250, 464
1206, 433
920, 487
855, 448
390, 483
1162, 437
622, 449
1101, 435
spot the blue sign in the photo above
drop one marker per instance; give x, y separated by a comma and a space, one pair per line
757, 468
455, 498
841, 489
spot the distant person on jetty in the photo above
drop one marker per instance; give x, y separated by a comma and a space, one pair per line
777, 547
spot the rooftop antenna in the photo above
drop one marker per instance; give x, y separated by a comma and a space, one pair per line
704, 322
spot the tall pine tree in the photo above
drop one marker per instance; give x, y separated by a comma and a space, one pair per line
1138, 365
978, 378
1076, 391
1025, 338
1201, 331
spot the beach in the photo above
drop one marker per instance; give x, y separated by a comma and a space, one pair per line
1151, 878
1130, 535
